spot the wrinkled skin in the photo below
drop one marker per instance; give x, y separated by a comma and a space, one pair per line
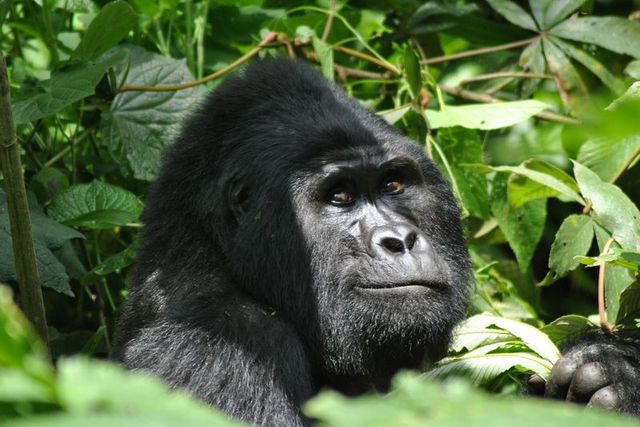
293, 241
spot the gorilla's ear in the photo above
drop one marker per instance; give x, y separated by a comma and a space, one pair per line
237, 198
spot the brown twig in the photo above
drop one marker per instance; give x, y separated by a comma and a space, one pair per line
505, 74
170, 88
616, 177
366, 57
329, 24
481, 51
31, 300
602, 312
488, 99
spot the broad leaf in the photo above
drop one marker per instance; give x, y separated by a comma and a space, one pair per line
550, 12
95, 205
620, 35
112, 24
612, 208
64, 88
560, 66
566, 328
514, 14
532, 60
412, 71
521, 226
605, 157
325, 56
485, 116
629, 306
141, 123
574, 238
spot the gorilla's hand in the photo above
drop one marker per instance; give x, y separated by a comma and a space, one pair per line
597, 371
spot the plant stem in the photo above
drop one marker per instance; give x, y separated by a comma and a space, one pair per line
481, 51
504, 74
48, 28
244, 58
602, 312
25, 260
329, 24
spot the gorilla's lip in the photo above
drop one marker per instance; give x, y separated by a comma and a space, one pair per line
401, 285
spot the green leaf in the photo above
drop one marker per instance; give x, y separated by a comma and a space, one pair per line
485, 116
560, 66
550, 12
112, 24
543, 180
532, 60
64, 88
612, 208
462, 146
616, 279
605, 157
567, 328
620, 35
325, 56
140, 124
95, 205
115, 263
629, 306
48, 236
521, 226
574, 238
412, 71
514, 14
614, 83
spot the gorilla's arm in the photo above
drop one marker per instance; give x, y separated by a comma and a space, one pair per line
236, 357
597, 370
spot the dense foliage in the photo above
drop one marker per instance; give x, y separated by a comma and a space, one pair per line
528, 107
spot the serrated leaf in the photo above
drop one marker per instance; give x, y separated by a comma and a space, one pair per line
64, 88
574, 238
95, 205
620, 35
141, 123
514, 14
612, 208
112, 24
485, 116
521, 226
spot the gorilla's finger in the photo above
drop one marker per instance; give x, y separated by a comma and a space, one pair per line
560, 378
587, 379
605, 398
536, 385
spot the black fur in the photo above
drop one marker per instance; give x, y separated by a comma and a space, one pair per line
243, 292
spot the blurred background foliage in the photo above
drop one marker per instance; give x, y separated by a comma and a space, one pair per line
530, 109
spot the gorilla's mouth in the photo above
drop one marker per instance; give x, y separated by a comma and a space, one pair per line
400, 286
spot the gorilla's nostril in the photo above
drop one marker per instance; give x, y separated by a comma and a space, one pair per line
410, 240
392, 244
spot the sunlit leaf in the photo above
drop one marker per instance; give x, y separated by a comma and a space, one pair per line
485, 116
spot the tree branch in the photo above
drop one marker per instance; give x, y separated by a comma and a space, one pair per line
482, 51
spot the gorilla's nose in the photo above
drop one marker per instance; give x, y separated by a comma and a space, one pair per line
396, 239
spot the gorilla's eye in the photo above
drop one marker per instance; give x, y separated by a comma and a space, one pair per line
392, 186
340, 197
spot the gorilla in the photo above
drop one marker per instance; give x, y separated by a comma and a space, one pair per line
294, 241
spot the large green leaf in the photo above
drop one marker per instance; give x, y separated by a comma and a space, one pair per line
629, 310
521, 226
605, 157
620, 35
485, 116
140, 124
560, 66
549, 12
613, 82
542, 180
112, 24
462, 146
64, 88
48, 235
514, 14
95, 205
567, 328
612, 208
574, 238
416, 402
